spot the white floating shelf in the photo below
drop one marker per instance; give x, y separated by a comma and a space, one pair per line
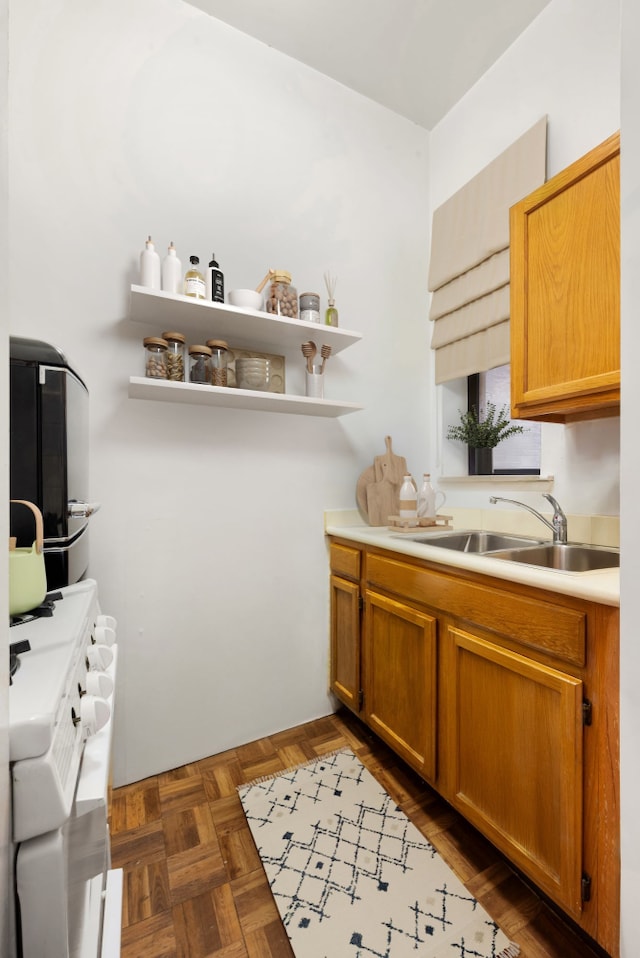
244, 328
161, 390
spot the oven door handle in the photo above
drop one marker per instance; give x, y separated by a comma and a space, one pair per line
81, 510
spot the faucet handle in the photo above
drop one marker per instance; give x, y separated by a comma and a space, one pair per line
559, 519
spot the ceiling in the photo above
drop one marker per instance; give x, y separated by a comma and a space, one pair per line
416, 57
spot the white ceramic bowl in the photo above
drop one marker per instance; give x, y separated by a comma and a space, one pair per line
245, 298
252, 373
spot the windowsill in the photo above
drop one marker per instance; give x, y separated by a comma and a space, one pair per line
497, 480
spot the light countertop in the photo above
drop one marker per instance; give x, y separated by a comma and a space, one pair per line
601, 585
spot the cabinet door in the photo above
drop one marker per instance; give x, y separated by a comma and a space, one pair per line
345, 641
399, 680
565, 292
518, 770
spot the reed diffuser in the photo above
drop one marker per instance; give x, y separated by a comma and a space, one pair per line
331, 315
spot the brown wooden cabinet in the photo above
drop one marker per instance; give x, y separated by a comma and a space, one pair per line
399, 679
345, 679
503, 697
518, 774
565, 293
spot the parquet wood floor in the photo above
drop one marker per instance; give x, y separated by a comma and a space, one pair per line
194, 886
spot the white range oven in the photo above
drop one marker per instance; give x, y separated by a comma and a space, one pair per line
64, 659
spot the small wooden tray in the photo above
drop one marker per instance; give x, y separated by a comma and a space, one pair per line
399, 524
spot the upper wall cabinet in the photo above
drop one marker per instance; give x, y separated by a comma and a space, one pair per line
565, 293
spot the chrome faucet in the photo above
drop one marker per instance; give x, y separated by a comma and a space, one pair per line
558, 524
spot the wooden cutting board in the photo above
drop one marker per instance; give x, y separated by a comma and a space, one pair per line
365, 480
382, 502
390, 467
378, 488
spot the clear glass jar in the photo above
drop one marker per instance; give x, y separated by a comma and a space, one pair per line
282, 297
310, 307
155, 357
200, 365
175, 356
219, 361
194, 284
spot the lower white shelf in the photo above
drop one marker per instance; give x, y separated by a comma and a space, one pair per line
161, 390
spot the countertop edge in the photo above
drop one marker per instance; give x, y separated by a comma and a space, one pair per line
601, 586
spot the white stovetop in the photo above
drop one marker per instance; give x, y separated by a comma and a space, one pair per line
602, 585
42, 679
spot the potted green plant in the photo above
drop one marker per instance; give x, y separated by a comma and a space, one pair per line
482, 433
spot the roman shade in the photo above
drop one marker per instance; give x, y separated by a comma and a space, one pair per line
469, 266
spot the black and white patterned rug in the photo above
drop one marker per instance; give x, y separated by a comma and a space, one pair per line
351, 875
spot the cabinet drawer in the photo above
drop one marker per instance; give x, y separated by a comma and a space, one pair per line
532, 622
345, 561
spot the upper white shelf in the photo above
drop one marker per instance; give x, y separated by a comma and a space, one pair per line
244, 328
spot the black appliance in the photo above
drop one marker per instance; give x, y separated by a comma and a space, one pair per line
49, 456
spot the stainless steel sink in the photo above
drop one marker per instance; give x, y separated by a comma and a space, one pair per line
477, 542
564, 557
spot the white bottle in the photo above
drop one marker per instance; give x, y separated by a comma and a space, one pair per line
427, 498
408, 499
150, 266
171, 271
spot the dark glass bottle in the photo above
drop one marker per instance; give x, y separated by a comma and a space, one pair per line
215, 281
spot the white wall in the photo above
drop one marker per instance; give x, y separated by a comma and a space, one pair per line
131, 117
565, 65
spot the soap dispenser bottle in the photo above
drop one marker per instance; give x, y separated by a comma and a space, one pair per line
408, 499
426, 498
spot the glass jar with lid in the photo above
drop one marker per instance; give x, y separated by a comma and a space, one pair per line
282, 297
219, 361
175, 356
310, 307
155, 357
200, 365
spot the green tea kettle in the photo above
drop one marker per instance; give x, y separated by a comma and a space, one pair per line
27, 575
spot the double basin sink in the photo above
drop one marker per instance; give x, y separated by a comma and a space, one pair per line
563, 557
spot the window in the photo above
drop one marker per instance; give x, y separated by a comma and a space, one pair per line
518, 454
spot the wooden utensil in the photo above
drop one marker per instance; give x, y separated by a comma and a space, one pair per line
261, 285
325, 352
309, 351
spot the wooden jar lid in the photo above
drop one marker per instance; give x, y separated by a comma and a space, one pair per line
176, 337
